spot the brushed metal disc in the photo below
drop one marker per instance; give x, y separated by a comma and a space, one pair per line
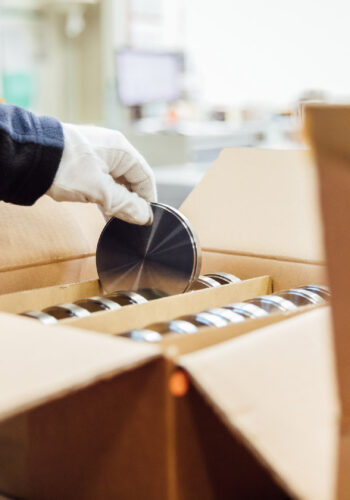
165, 255
301, 297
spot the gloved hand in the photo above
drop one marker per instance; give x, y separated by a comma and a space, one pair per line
94, 160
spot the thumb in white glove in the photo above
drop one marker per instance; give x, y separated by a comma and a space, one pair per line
94, 160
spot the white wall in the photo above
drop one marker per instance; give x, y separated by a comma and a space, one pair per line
249, 51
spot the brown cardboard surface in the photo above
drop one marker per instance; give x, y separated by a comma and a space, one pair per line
45, 234
107, 440
259, 203
39, 363
214, 463
284, 274
276, 388
32, 278
328, 128
40, 298
141, 315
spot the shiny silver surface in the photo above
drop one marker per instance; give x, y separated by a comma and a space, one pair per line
203, 282
301, 297
321, 290
173, 326
224, 278
143, 335
205, 319
181, 326
273, 303
62, 311
211, 319
44, 318
127, 297
165, 255
107, 304
248, 310
230, 316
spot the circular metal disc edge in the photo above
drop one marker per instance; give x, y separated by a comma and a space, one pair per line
197, 253
195, 242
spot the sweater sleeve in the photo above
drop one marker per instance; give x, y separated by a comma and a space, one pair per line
30, 152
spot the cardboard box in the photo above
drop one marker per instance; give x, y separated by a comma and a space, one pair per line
86, 415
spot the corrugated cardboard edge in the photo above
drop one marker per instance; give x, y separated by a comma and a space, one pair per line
276, 388
39, 363
328, 128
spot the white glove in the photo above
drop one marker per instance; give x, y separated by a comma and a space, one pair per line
93, 160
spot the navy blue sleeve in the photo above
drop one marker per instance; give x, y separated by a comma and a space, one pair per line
30, 152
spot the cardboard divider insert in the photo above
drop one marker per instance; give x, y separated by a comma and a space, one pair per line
40, 298
141, 315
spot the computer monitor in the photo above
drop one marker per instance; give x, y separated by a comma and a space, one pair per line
148, 76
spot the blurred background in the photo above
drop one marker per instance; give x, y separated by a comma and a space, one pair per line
182, 79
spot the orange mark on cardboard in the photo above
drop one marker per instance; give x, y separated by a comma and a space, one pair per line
179, 383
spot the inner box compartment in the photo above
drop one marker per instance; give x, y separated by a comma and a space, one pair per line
265, 222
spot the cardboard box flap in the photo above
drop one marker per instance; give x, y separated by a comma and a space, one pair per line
329, 130
276, 387
39, 363
47, 232
259, 202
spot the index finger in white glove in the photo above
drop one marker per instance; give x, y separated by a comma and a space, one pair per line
139, 175
131, 165
118, 201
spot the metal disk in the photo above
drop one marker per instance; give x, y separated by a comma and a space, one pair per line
273, 303
203, 282
164, 255
301, 297
47, 319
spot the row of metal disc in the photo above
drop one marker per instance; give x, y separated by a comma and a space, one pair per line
85, 307
280, 302
112, 302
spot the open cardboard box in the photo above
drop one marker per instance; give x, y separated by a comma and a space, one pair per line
256, 214
90, 416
